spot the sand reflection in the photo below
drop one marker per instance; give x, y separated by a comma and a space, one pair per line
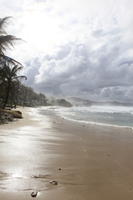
22, 158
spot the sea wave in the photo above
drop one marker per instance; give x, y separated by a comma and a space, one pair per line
99, 109
97, 114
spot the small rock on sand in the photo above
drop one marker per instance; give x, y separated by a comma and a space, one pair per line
34, 194
53, 182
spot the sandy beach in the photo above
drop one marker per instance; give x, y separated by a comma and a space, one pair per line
87, 161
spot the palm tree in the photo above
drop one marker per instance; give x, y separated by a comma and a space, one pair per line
8, 66
9, 78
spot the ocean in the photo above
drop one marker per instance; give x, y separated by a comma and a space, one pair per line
97, 114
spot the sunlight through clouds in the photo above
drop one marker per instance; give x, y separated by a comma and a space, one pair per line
63, 38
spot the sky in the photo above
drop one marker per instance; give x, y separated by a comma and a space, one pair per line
80, 48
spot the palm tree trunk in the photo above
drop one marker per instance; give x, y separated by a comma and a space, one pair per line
7, 93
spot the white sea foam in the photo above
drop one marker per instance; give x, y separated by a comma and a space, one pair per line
98, 114
101, 109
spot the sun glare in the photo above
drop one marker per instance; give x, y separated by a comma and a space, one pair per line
41, 31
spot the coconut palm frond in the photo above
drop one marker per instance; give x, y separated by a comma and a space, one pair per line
16, 69
22, 77
7, 73
4, 58
6, 41
17, 78
3, 22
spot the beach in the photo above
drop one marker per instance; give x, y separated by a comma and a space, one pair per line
88, 161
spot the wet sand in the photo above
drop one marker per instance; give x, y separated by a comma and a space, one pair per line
88, 161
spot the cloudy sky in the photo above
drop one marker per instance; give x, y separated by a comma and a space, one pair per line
74, 47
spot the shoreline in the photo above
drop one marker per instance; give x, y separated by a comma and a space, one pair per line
29, 119
89, 123
95, 161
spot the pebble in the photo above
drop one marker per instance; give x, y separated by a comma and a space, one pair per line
54, 182
34, 194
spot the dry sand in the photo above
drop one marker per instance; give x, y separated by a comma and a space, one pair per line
95, 161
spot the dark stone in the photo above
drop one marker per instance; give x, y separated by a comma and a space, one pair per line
53, 182
34, 194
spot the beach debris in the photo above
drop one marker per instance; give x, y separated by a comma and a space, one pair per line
41, 176
34, 194
53, 182
59, 169
35, 176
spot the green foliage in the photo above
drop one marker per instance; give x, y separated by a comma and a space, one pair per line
27, 97
9, 68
